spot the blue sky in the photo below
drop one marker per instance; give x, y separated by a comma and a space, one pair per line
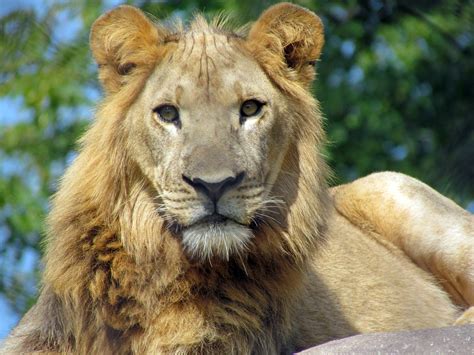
8, 318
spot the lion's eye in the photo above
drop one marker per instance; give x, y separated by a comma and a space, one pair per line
250, 108
167, 113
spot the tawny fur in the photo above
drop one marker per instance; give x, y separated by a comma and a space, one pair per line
431, 229
118, 280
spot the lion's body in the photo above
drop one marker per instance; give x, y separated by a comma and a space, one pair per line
360, 285
121, 278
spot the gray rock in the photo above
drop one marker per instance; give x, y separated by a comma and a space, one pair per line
449, 340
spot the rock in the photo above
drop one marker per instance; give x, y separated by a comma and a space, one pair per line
453, 340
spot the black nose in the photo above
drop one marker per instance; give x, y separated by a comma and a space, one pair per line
215, 190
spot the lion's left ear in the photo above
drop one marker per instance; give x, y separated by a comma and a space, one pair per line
288, 38
123, 41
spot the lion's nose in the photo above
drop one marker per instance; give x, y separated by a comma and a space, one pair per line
215, 189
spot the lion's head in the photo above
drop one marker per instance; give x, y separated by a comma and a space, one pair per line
214, 131
206, 132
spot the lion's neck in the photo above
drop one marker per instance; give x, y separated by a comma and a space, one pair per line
137, 297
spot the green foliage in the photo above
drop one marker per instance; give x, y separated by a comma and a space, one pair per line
395, 83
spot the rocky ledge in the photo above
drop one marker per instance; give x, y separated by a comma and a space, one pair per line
449, 340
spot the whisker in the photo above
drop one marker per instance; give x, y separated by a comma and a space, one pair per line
265, 217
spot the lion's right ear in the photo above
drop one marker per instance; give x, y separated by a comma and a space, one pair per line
123, 42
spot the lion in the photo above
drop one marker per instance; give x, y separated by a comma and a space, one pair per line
197, 217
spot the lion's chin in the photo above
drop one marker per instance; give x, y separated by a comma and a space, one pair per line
222, 239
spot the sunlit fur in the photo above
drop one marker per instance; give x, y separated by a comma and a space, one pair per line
121, 276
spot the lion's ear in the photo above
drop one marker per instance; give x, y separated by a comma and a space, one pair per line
123, 41
288, 38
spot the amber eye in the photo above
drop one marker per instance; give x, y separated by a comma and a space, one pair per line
167, 113
250, 108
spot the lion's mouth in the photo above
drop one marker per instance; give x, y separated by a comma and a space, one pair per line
214, 218
214, 221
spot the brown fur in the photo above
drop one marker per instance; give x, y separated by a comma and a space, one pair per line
118, 280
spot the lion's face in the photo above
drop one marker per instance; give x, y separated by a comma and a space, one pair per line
209, 133
213, 119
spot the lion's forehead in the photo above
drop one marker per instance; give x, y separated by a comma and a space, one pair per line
209, 64
208, 46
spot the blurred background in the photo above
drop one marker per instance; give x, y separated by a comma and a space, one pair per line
395, 81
